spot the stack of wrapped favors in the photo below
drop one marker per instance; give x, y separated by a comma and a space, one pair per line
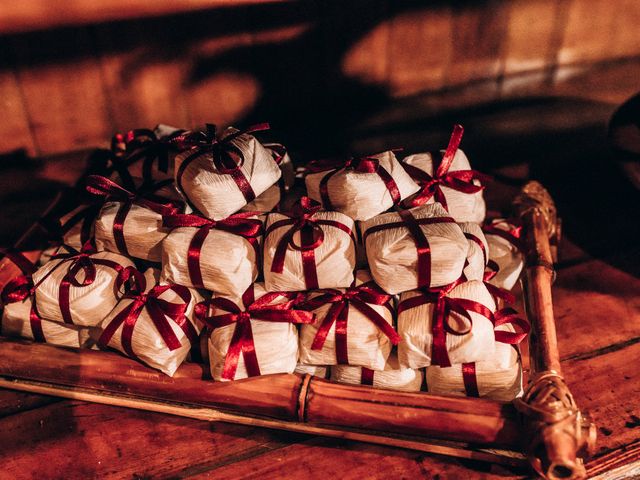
382, 275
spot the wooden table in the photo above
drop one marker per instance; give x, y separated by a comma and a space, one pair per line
597, 304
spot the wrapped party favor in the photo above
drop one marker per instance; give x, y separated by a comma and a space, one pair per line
79, 288
308, 249
477, 256
446, 326
421, 247
447, 178
393, 376
130, 223
221, 256
220, 176
253, 335
505, 252
360, 187
145, 153
353, 326
498, 378
153, 323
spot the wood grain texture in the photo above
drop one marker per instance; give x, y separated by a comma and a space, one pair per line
12, 402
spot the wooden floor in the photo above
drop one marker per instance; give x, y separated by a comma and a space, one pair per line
556, 136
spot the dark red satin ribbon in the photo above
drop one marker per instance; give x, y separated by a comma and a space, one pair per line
85, 216
477, 241
366, 376
311, 237
361, 298
143, 144
242, 339
460, 180
18, 290
104, 187
413, 224
511, 235
79, 262
226, 157
444, 306
367, 164
18, 259
501, 317
160, 311
239, 224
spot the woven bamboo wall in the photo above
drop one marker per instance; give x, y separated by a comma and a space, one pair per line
297, 64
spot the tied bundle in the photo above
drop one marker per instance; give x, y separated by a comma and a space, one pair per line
257, 338
452, 183
219, 176
152, 323
394, 376
477, 256
147, 147
354, 327
446, 325
308, 249
79, 288
418, 248
499, 378
130, 223
221, 256
359, 187
20, 316
506, 259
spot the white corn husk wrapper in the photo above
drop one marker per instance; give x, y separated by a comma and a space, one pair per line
276, 343
463, 207
415, 329
146, 341
142, 229
266, 202
362, 196
335, 258
477, 255
89, 304
16, 322
228, 262
393, 256
506, 255
314, 370
499, 378
217, 195
367, 345
393, 376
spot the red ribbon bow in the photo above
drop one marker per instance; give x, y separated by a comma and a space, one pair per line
226, 157
361, 297
242, 339
444, 306
104, 187
460, 180
143, 144
20, 288
81, 261
366, 164
239, 224
413, 224
159, 311
311, 237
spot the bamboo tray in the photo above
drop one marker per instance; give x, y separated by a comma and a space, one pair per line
544, 427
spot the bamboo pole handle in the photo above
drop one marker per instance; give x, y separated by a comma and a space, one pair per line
558, 434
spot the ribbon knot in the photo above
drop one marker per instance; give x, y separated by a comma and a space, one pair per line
460, 180
227, 313
160, 312
311, 237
